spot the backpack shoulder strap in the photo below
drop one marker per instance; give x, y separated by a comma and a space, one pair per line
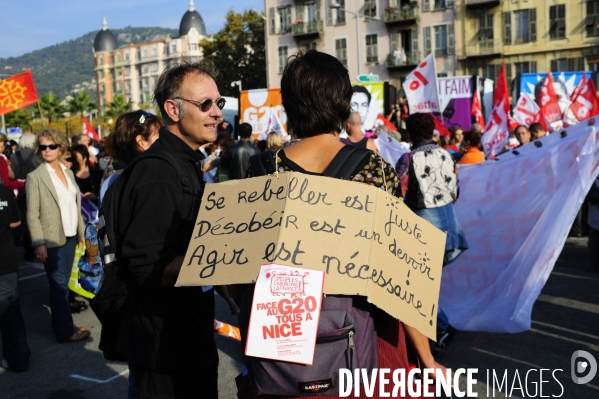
263, 164
347, 160
186, 185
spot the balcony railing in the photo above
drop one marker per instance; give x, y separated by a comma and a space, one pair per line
412, 58
393, 15
441, 52
307, 28
484, 48
474, 3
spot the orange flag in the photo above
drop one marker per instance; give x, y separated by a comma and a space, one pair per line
17, 92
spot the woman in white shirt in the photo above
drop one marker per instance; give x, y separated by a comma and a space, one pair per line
56, 225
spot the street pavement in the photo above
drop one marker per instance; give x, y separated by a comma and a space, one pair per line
565, 319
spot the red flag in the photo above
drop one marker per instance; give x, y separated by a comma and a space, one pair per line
477, 110
496, 133
89, 131
579, 87
439, 128
381, 120
17, 92
585, 104
548, 101
542, 119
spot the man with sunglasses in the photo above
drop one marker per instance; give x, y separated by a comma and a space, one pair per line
167, 333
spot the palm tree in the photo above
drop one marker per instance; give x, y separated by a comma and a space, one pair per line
81, 103
118, 106
19, 118
51, 107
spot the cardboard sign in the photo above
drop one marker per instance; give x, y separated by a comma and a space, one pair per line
366, 241
285, 314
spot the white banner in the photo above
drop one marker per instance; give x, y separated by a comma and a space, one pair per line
420, 87
516, 224
526, 109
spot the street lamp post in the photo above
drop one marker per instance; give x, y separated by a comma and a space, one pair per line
357, 15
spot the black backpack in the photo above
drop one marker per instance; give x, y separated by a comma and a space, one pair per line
346, 335
109, 300
24, 166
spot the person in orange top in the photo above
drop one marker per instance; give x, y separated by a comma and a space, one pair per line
473, 153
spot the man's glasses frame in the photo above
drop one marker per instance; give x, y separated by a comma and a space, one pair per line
205, 105
53, 147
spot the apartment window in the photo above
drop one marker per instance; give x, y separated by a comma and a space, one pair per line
370, 8
118, 58
119, 86
146, 68
101, 61
592, 19
490, 71
155, 67
567, 64
127, 71
309, 46
144, 53
341, 51
102, 89
193, 46
525, 67
127, 56
525, 26
282, 58
485, 27
372, 50
557, 21
271, 20
128, 87
284, 19
173, 48
336, 16
441, 47
439, 4
154, 51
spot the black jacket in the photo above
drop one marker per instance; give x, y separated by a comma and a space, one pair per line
237, 159
165, 329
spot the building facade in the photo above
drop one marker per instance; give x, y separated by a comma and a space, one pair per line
132, 71
528, 36
383, 37
389, 37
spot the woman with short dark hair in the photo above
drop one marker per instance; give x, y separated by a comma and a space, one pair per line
87, 177
317, 93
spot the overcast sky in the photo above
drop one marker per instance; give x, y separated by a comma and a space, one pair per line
29, 25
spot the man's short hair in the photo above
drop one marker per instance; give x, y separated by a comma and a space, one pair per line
362, 89
316, 93
27, 140
519, 126
171, 79
472, 137
245, 130
536, 127
476, 127
420, 127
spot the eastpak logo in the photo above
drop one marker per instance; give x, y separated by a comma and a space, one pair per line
315, 386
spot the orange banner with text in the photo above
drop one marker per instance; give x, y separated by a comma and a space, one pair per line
256, 106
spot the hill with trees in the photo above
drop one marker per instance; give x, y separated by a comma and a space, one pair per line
59, 68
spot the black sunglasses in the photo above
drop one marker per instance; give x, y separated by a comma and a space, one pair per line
205, 105
43, 147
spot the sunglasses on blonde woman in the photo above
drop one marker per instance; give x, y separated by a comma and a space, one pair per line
53, 147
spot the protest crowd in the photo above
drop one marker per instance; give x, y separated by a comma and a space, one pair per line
130, 202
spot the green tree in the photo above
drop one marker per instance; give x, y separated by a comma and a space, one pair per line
81, 103
19, 118
237, 52
51, 107
118, 106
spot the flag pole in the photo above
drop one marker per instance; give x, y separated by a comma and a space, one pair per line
41, 114
437, 88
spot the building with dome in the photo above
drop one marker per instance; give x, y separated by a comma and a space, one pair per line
132, 71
